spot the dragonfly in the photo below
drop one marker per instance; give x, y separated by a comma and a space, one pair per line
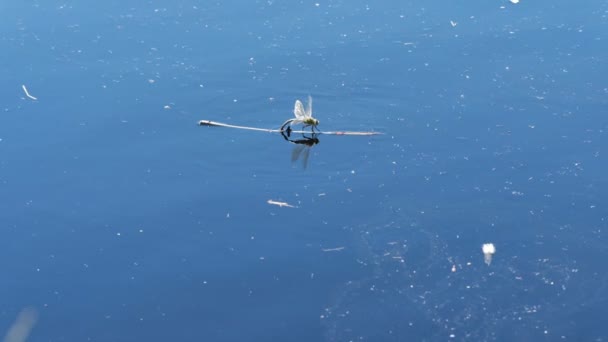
303, 116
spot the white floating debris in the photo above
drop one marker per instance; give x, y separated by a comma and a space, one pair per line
23, 325
514, 1
280, 204
488, 249
27, 93
337, 249
453, 23
167, 107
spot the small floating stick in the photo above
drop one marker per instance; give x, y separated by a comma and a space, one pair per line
280, 204
219, 124
27, 93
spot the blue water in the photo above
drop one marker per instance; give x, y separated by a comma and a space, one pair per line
121, 219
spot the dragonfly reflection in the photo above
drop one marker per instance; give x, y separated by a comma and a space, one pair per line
302, 148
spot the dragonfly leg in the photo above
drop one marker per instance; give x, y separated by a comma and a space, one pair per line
285, 124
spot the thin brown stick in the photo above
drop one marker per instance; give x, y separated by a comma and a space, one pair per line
219, 124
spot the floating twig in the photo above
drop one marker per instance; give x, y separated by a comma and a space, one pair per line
337, 249
281, 204
219, 124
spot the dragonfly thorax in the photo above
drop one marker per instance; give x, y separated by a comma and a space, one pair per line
311, 121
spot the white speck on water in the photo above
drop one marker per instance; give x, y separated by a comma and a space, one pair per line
488, 250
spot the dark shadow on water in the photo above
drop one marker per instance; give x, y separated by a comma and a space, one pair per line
302, 146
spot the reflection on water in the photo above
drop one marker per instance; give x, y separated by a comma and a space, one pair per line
302, 148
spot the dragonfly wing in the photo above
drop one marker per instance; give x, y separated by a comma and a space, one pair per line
295, 153
309, 108
298, 110
305, 157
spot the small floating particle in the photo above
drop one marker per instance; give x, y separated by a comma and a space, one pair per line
167, 107
514, 1
488, 250
453, 23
